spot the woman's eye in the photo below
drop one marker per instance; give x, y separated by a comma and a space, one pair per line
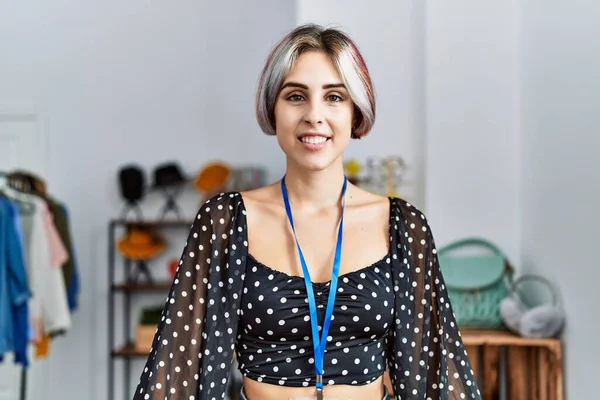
335, 98
295, 97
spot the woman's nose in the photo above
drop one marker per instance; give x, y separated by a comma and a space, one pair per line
313, 114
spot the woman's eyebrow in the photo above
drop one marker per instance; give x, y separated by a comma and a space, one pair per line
334, 85
305, 87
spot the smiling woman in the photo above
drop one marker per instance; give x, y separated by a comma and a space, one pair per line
313, 119
316, 285
342, 55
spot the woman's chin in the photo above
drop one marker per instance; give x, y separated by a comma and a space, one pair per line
312, 161
315, 165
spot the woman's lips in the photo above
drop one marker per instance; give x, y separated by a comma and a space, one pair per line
314, 143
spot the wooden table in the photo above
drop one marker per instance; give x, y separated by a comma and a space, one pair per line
533, 367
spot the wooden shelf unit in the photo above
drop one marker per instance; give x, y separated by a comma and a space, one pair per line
142, 287
152, 223
533, 366
129, 350
126, 290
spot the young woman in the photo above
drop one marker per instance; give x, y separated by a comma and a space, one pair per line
315, 285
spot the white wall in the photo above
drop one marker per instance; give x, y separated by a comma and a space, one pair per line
560, 55
511, 106
389, 34
472, 114
131, 81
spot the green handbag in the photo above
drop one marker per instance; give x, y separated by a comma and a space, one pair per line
476, 284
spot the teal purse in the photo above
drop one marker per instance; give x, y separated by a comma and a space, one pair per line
476, 284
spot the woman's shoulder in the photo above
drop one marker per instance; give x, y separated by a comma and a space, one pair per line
408, 215
404, 217
261, 194
398, 207
234, 205
221, 207
262, 201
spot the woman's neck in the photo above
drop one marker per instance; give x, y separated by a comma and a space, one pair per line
314, 191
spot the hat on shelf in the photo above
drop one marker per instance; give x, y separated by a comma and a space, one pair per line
213, 175
131, 185
168, 174
131, 180
140, 244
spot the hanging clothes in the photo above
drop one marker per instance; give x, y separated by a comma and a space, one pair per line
34, 184
41, 239
58, 237
59, 213
73, 283
14, 287
45, 254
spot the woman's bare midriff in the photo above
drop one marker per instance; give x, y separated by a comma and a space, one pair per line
264, 391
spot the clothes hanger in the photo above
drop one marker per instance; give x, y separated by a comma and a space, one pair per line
25, 207
28, 182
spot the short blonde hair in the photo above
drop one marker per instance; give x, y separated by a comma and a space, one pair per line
346, 58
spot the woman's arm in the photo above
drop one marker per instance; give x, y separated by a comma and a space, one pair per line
427, 356
194, 343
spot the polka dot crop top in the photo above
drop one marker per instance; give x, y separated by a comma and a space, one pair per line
214, 299
274, 335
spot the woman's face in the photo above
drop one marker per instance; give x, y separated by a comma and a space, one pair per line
313, 113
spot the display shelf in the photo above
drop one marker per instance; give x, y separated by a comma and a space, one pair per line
125, 289
129, 351
161, 286
152, 222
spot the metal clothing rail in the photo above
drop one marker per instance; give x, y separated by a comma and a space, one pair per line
23, 389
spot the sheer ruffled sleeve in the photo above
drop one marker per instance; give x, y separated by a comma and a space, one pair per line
193, 347
427, 356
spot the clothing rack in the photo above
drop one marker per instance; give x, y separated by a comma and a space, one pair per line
23, 386
34, 193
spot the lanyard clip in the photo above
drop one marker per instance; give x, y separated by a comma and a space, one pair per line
319, 387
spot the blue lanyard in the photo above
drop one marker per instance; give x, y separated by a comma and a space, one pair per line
319, 343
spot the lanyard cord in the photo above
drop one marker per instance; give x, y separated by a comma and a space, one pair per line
319, 343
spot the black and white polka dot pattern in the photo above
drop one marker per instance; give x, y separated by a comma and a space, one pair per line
192, 352
275, 342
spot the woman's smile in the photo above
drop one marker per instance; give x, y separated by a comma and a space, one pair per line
314, 142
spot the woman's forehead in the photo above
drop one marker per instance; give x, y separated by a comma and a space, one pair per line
313, 69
